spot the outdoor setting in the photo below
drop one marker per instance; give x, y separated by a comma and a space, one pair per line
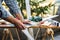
29, 19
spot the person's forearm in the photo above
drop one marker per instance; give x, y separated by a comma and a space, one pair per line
16, 22
12, 20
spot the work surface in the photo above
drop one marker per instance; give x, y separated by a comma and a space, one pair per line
32, 25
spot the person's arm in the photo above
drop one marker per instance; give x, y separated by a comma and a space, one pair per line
5, 15
14, 9
15, 21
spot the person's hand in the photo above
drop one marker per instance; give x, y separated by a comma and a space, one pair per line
19, 24
41, 22
15, 21
26, 21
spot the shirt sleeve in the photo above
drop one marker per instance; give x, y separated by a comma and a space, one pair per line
3, 13
13, 6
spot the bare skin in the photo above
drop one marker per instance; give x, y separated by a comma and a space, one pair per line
20, 17
15, 21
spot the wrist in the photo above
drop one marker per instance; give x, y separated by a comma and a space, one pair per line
18, 21
19, 16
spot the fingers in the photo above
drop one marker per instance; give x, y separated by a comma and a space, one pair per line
21, 27
41, 22
26, 22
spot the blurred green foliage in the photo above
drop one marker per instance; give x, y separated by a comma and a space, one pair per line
37, 9
21, 3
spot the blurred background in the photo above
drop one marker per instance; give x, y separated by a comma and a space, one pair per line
41, 8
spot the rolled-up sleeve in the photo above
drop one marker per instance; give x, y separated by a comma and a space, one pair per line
13, 6
3, 12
